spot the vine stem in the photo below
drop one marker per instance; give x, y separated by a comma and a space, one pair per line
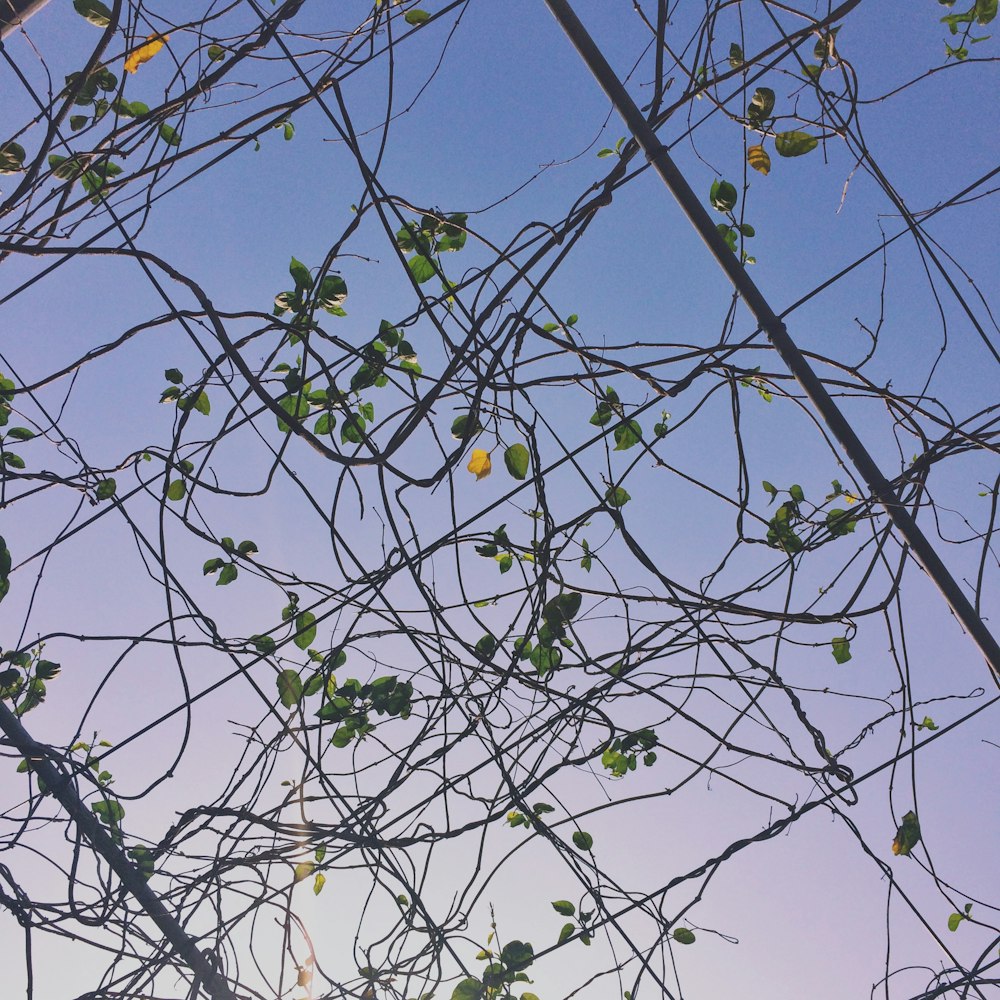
658, 155
60, 785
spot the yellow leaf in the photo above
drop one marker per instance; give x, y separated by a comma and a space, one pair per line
144, 52
479, 464
758, 159
303, 870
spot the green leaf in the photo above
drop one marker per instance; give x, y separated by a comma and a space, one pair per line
174, 375
485, 647
264, 644
94, 11
421, 268
169, 134
176, 490
106, 489
303, 870
295, 406
566, 932
582, 841
602, 415
735, 56
465, 425
683, 936
11, 158
545, 659
352, 431
728, 234
928, 724
4, 569
318, 883
565, 907
770, 489
907, 835
761, 104
46, 670
110, 812
306, 629
723, 196
839, 522
841, 649
216, 53
516, 459
467, 989
332, 294
130, 109
617, 496
66, 168
343, 735
142, 858
795, 143
955, 920
627, 435
289, 687
77, 122
388, 334
795, 491
986, 11
454, 234
517, 955
563, 608
415, 16
300, 275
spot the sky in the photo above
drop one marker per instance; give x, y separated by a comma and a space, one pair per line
495, 117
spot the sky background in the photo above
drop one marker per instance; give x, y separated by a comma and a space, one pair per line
511, 111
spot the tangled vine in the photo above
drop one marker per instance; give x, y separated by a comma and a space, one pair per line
407, 634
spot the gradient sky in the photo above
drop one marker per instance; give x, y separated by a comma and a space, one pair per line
512, 111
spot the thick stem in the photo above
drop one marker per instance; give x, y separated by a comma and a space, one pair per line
13, 13
840, 427
60, 785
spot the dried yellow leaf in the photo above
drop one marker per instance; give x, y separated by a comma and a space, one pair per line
144, 52
758, 159
479, 464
